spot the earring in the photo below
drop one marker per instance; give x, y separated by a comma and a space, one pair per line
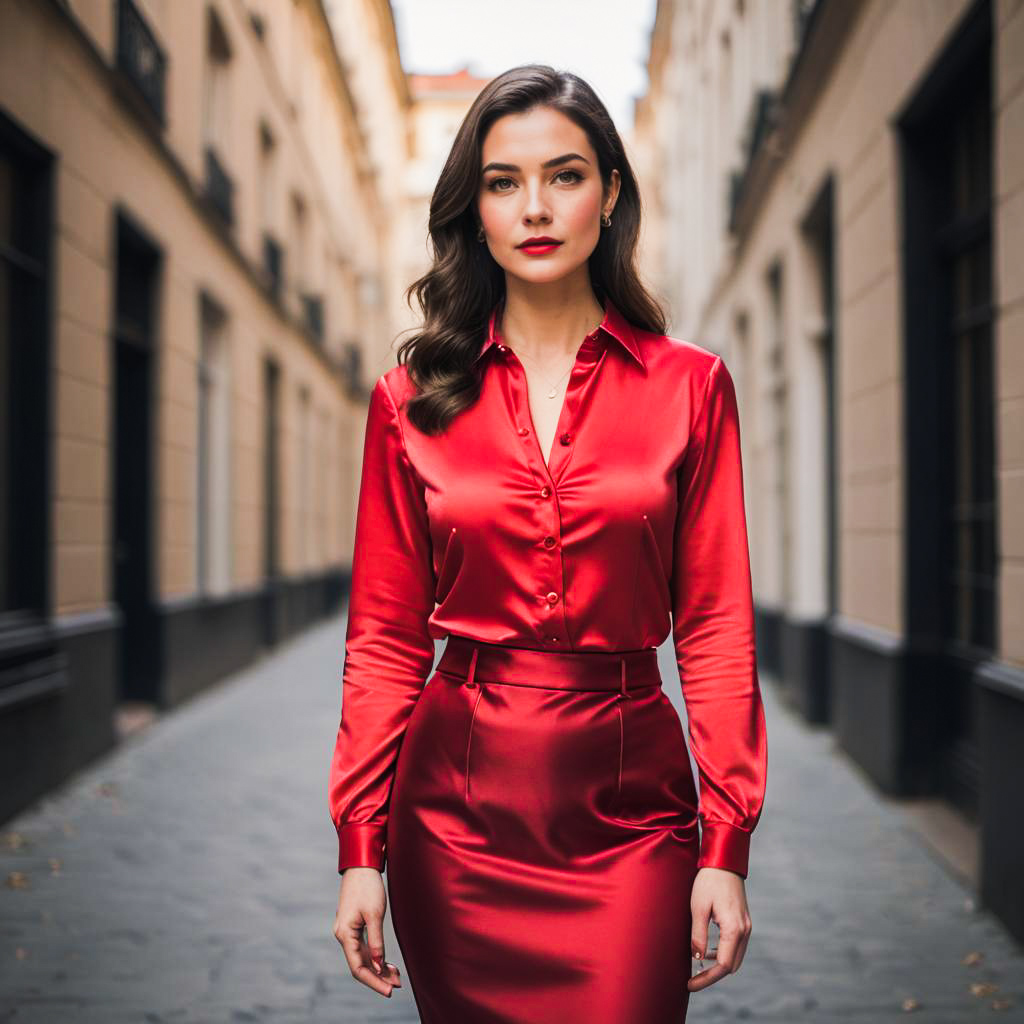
480, 234
606, 220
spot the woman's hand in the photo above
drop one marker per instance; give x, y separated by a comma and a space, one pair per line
721, 896
361, 904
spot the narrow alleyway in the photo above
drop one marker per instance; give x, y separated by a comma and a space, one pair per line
191, 878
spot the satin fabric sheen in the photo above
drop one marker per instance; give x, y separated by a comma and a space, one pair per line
632, 530
543, 839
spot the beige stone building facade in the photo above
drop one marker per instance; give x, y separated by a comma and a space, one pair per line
836, 192
439, 105
199, 205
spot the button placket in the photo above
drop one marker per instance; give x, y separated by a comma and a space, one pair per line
550, 599
563, 434
588, 362
551, 544
587, 359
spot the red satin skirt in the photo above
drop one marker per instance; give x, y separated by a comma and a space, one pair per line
542, 840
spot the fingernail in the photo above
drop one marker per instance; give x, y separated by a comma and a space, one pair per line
376, 964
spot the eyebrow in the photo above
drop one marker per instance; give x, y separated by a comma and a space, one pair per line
547, 163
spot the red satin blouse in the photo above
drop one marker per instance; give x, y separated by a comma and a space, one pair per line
634, 528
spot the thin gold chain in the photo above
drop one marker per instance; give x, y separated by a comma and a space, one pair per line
553, 392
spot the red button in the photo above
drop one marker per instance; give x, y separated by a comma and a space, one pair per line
549, 542
523, 431
552, 597
554, 639
545, 491
564, 439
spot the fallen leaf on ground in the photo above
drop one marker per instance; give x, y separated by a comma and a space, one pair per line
983, 988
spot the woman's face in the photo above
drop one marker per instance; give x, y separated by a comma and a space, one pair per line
540, 178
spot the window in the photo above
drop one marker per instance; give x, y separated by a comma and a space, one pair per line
309, 303
267, 177
306, 457
299, 246
777, 392
140, 58
25, 230
965, 242
272, 255
950, 519
951, 409
216, 117
213, 484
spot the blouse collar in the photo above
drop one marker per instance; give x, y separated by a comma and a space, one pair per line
614, 325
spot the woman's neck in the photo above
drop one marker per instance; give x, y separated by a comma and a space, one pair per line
549, 329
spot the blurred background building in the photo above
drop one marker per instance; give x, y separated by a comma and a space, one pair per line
200, 204
835, 195
439, 103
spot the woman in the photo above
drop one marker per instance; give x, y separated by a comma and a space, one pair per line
555, 508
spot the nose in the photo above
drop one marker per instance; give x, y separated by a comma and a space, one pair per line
536, 208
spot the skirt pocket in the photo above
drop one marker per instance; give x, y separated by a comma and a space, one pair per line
469, 738
621, 715
655, 780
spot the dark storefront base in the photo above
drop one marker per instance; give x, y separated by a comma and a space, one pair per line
873, 705
47, 737
48, 732
768, 623
804, 649
1001, 726
879, 697
796, 656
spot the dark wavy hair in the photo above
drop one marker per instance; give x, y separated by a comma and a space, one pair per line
464, 283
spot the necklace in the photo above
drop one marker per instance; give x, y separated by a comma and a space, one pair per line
553, 393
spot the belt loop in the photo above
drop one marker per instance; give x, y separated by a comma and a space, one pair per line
622, 662
472, 669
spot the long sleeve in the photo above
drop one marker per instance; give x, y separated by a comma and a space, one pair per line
713, 631
389, 652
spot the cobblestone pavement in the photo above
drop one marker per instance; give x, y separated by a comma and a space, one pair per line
190, 877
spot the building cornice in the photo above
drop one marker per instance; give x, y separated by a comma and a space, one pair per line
192, 191
778, 118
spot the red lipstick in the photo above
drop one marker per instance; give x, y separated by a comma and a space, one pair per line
539, 245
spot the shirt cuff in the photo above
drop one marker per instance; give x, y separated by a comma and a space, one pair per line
361, 846
724, 846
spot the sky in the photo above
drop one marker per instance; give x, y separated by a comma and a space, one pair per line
602, 41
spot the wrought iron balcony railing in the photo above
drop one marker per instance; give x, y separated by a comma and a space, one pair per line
351, 368
273, 265
220, 189
140, 58
313, 314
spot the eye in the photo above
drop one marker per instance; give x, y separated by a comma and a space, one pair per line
494, 185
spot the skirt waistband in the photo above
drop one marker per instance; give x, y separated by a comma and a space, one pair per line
480, 662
